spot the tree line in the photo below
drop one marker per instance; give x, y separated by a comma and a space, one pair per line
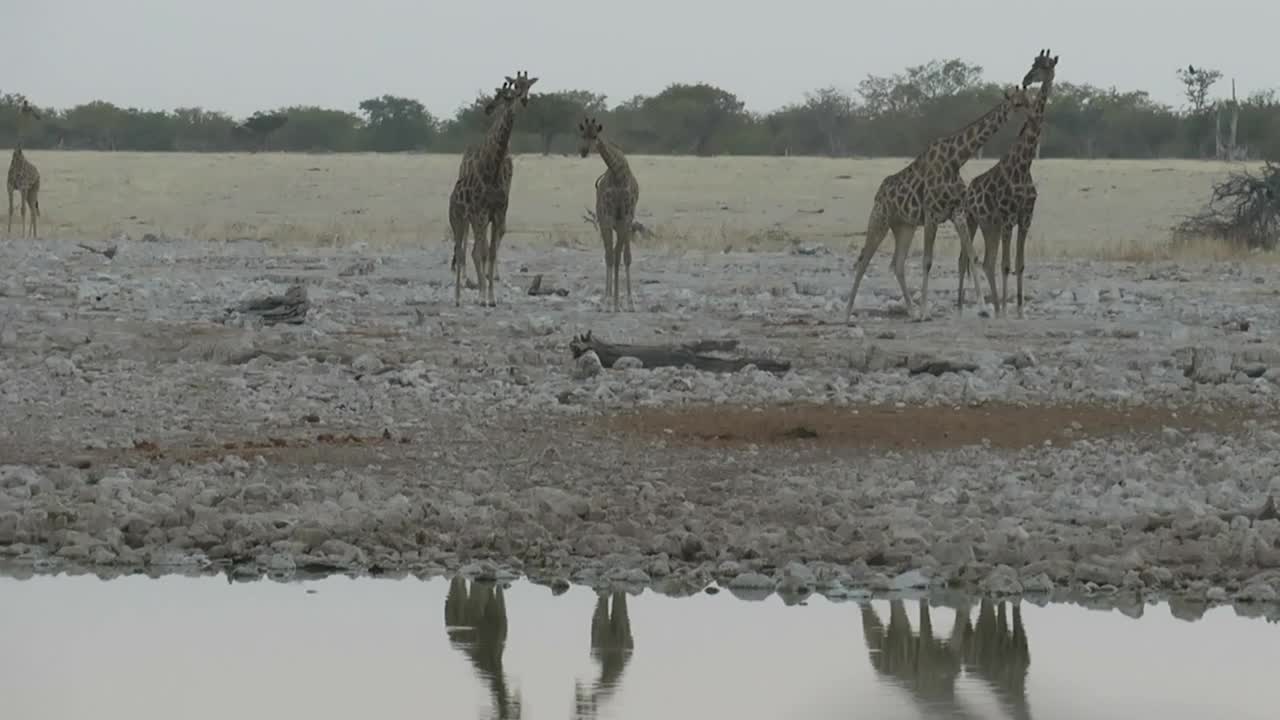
893, 115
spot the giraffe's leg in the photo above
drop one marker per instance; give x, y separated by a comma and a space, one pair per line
966, 227
9, 229
902, 237
459, 263
967, 261
497, 230
1020, 265
626, 259
606, 238
22, 212
34, 199
930, 237
877, 228
615, 270
1006, 236
990, 241
479, 253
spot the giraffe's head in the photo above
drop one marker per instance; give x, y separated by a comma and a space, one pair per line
27, 110
1042, 69
1017, 98
503, 97
520, 85
588, 130
513, 90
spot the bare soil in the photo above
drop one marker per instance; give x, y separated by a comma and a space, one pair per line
908, 427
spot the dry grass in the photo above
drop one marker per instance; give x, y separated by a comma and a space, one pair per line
1095, 209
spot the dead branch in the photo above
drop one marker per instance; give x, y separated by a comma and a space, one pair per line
1244, 209
637, 227
109, 253
694, 354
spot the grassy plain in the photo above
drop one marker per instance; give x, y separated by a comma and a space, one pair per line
1100, 209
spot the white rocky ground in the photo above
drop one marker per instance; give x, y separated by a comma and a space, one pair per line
393, 432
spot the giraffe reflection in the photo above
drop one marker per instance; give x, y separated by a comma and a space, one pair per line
988, 650
611, 646
476, 622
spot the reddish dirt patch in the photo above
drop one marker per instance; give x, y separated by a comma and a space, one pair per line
906, 428
256, 446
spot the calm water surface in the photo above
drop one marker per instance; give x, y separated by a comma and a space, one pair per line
177, 648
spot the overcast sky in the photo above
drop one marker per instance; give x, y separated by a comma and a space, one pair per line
244, 55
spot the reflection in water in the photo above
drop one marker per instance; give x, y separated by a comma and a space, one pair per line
476, 622
611, 646
927, 667
997, 653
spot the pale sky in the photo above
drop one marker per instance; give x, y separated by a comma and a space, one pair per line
243, 55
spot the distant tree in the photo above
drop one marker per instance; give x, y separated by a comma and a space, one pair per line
550, 115
259, 127
910, 91
98, 125
311, 129
394, 124
831, 112
943, 78
197, 129
690, 117
1197, 82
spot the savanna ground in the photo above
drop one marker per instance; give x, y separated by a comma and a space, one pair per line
1092, 209
1120, 436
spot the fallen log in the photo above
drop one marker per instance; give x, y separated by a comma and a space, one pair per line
290, 308
536, 289
693, 354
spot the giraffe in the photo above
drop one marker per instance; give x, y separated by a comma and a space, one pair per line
1005, 195
617, 193
483, 189
928, 192
23, 177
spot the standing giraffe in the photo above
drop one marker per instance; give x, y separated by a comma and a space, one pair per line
1005, 195
483, 190
23, 177
928, 192
617, 193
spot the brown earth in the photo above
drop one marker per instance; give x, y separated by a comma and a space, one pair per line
908, 427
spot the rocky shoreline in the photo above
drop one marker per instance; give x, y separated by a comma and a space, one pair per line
1118, 442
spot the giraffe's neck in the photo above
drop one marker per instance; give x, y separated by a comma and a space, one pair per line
498, 138
613, 158
1017, 161
958, 147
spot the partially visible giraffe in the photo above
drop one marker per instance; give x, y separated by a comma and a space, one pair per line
617, 193
483, 190
928, 192
1005, 195
23, 177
